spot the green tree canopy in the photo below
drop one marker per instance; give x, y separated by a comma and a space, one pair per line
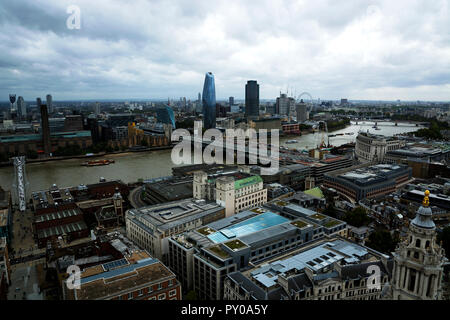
382, 241
357, 217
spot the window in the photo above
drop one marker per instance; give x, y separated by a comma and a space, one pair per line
130, 296
141, 292
162, 296
150, 289
418, 243
159, 286
172, 293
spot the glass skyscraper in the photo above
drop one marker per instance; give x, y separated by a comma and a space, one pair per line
209, 102
166, 115
252, 99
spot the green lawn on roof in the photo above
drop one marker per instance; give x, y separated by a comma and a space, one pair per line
299, 224
332, 223
281, 203
235, 244
317, 216
218, 250
206, 231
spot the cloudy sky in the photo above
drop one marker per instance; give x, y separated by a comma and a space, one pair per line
158, 49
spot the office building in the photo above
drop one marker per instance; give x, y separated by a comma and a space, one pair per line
167, 190
12, 100
418, 153
419, 260
272, 123
150, 227
285, 104
327, 269
136, 276
252, 99
97, 108
21, 108
56, 124
43, 142
209, 102
166, 115
367, 182
231, 101
202, 258
234, 190
373, 147
302, 111
73, 123
49, 102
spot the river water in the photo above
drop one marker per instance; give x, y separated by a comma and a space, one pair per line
129, 167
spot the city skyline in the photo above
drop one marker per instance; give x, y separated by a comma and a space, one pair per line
360, 50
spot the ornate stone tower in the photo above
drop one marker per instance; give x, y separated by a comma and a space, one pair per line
199, 185
418, 261
118, 206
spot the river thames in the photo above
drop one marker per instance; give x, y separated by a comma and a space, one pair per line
129, 167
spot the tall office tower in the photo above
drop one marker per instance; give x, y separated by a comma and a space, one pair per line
252, 99
50, 104
283, 104
199, 97
97, 108
166, 115
231, 101
209, 102
419, 260
12, 99
21, 108
45, 127
302, 111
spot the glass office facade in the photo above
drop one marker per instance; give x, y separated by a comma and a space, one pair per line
209, 102
166, 115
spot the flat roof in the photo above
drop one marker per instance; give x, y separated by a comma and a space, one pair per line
261, 222
168, 215
315, 259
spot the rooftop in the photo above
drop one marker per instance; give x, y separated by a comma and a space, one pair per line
315, 258
252, 225
168, 215
111, 278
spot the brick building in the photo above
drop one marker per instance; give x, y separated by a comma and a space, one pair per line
137, 276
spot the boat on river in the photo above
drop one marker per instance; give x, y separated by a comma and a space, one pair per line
94, 163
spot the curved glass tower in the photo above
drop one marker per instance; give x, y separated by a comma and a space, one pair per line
166, 115
209, 102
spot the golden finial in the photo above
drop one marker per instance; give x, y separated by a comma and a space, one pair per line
426, 200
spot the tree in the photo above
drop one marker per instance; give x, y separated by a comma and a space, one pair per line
382, 240
330, 211
357, 217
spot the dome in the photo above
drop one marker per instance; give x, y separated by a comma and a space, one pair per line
424, 218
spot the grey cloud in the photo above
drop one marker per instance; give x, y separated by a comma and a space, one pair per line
155, 49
